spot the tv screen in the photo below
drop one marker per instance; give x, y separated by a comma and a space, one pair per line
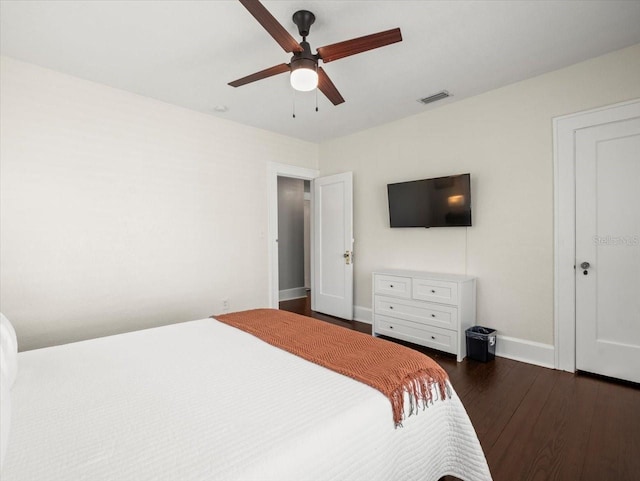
438, 202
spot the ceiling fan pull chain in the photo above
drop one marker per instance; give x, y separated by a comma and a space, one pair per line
316, 90
294, 103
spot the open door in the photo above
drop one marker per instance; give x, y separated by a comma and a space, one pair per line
332, 289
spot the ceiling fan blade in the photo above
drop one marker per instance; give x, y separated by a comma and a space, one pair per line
271, 25
327, 88
339, 50
268, 72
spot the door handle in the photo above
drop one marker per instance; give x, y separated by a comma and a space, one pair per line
585, 265
347, 257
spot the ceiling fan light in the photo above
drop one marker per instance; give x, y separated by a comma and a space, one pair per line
304, 79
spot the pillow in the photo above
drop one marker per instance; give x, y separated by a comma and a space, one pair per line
8, 350
5, 415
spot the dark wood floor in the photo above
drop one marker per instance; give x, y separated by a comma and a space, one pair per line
536, 423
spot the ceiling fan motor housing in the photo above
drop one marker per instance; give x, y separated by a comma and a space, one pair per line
304, 59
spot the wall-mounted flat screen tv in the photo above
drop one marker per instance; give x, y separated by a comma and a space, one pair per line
437, 202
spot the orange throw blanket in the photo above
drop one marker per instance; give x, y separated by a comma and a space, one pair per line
390, 368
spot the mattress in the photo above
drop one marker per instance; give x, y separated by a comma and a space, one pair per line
204, 401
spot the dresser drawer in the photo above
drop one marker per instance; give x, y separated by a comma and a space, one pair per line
432, 337
424, 313
435, 291
392, 285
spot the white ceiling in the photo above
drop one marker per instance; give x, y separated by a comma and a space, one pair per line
185, 52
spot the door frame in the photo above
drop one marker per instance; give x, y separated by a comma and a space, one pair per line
564, 129
275, 170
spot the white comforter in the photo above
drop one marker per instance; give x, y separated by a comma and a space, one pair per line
204, 401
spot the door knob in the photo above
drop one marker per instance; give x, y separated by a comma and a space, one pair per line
347, 257
585, 265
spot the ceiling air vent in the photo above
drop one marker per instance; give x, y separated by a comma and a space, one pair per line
435, 97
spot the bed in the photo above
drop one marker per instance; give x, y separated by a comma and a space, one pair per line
202, 400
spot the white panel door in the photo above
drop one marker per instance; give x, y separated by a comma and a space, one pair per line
332, 291
608, 249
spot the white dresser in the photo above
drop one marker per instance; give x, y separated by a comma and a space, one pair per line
425, 308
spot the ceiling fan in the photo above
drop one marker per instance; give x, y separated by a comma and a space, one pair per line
306, 74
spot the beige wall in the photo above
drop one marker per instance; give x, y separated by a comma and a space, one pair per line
119, 212
504, 138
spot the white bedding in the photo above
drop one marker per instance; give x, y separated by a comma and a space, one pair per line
204, 401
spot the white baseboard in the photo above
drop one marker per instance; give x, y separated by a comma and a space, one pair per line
362, 314
526, 351
510, 347
295, 293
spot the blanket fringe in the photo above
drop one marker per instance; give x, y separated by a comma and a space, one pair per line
419, 388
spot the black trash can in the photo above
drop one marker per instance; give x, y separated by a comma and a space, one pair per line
481, 343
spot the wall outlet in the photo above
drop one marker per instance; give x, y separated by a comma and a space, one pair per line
225, 304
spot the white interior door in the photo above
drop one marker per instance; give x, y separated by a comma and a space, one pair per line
332, 289
608, 249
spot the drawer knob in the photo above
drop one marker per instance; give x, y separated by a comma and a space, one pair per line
433, 337
390, 307
391, 286
390, 327
432, 291
433, 315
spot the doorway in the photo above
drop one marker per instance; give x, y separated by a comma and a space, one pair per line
330, 231
294, 240
597, 236
275, 172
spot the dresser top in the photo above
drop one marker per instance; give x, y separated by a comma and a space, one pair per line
424, 275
